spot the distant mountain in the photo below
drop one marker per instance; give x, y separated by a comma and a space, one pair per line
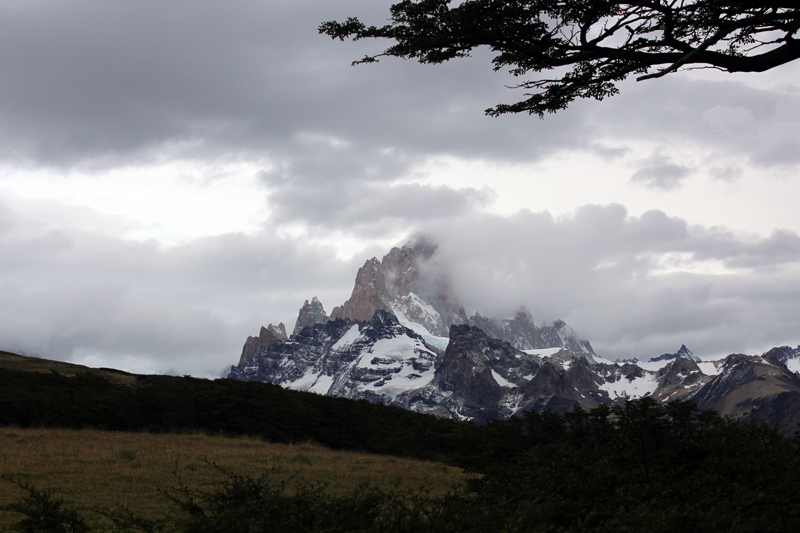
684, 352
403, 339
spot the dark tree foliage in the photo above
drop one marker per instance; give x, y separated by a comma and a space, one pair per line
591, 45
41, 511
640, 466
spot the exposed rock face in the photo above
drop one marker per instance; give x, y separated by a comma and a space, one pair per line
369, 295
309, 315
377, 360
265, 337
787, 355
477, 377
679, 379
748, 382
284, 363
395, 285
474, 369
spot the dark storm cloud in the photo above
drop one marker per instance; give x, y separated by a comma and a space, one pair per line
103, 84
91, 83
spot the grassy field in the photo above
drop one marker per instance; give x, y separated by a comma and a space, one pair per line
102, 469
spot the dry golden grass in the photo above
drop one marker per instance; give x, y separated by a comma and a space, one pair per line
102, 469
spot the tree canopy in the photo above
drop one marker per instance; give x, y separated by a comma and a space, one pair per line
589, 45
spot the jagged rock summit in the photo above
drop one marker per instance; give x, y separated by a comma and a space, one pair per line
309, 315
395, 284
266, 336
404, 284
683, 352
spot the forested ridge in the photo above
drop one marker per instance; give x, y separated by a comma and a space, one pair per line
633, 467
169, 403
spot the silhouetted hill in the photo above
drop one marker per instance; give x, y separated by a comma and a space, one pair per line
40, 393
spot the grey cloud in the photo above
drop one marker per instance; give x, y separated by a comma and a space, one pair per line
600, 270
785, 151
379, 207
729, 173
659, 173
726, 117
82, 296
781, 247
107, 84
87, 297
105, 318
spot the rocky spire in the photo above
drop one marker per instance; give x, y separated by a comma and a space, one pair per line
266, 336
369, 294
388, 285
682, 352
310, 314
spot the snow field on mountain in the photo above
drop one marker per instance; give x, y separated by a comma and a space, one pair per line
601, 360
305, 382
421, 305
322, 385
397, 353
636, 388
312, 381
654, 366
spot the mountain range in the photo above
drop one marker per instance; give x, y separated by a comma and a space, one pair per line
403, 339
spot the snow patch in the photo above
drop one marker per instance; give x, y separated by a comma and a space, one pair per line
601, 360
419, 329
793, 365
543, 352
503, 382
304, 382
709, 368
348, 338
323, 385
654, 366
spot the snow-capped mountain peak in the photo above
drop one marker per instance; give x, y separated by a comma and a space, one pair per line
402, 338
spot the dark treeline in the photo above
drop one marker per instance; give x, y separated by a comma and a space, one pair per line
222, 406
635, 467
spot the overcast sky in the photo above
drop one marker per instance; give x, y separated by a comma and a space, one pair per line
175, 174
